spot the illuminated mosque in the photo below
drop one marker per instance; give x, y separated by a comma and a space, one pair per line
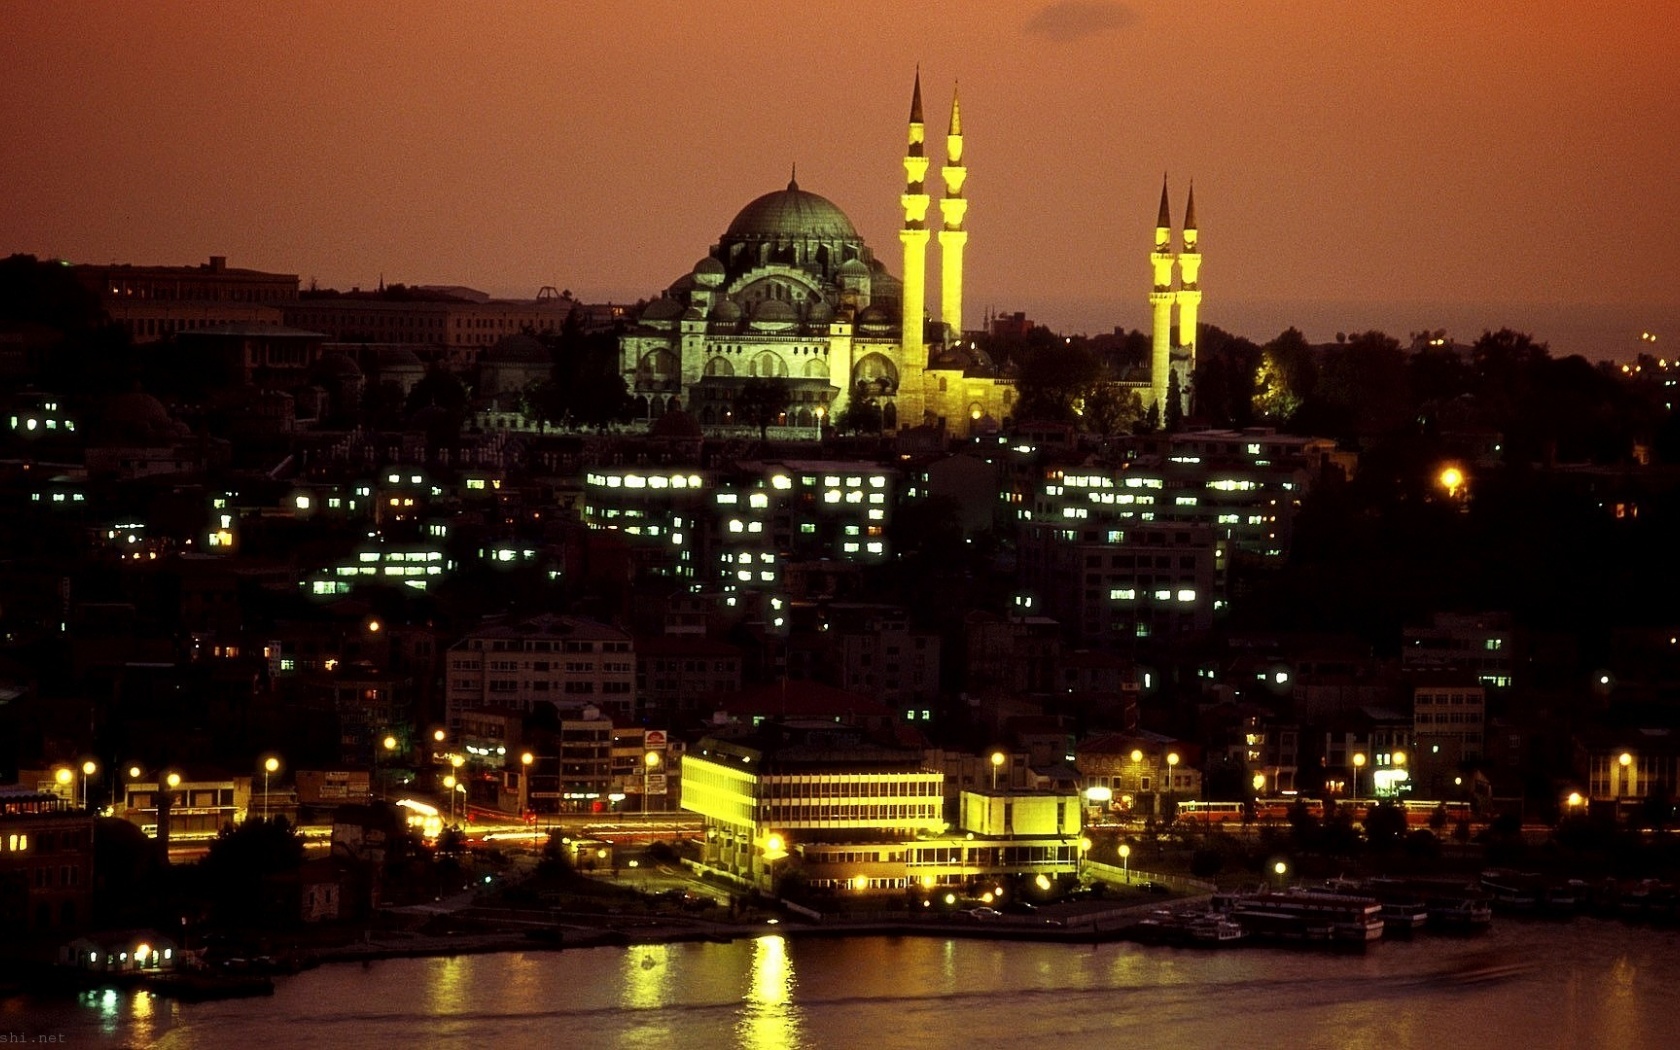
791, 293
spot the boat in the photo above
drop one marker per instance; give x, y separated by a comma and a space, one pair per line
1310, 915
1403, 912
1206, 929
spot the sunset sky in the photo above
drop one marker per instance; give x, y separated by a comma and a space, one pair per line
1380, 164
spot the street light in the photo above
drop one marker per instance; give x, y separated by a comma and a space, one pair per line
525, 761
1280, 868
271, 765
1126, 861
775, 848
88, 769
1084, 848
650, 762
997, 763
449, 786
1358, 764
1172, 772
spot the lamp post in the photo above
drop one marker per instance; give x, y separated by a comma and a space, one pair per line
775, 848
1084, 848
1172, 776
64, 775
271, 765
525, 761
997, 763
1358, 764
88, 769
1126, 861
455, 779
1625, 760
1280, 868
449, 786
650, 762
389, 745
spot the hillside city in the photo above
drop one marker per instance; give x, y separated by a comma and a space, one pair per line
311, 597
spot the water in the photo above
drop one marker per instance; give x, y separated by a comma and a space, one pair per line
1587, 984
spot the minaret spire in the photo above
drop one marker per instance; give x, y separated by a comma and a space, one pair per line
793, 176
914, 235
1160, 305
1189, 289
953, 208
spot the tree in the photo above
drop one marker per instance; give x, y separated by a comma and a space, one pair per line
1385, 825
761, 402
861, 415
1053, 380
1172, 420
1111, 409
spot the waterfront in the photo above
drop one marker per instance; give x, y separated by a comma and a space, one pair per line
1577, 984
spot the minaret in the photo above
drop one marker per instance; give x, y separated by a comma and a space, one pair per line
1160, 305
952, 208
915, 238
1190, 293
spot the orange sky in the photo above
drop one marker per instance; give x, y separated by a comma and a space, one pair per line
1424, 152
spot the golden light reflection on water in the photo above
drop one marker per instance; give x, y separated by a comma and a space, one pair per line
769, 1019
647, 977
141, 1019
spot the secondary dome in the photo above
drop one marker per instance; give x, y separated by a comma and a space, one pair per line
792, 213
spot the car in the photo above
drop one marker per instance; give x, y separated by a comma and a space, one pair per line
984, 913
1019, 908
1157, 887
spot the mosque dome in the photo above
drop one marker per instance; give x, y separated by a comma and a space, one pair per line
792, 213
875, 318
726, 310
773, 315
662, 310
708, 273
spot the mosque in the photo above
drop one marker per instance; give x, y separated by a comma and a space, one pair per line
792, 293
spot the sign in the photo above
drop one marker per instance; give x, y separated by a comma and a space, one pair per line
656, 784
545, 794
655, 738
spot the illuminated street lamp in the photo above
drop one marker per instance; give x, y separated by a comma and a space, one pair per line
64, 775
997, 763
1451, 479
775, 848
650, 762
173, 780
1172, 773
271, 765
449, 786
1358, 764
525, 761
1084, 848
88, 769
1281, 869
1126, 861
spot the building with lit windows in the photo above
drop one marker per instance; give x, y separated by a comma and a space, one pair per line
1115, 582
564, 661
1625, 769
742, 526
1449, 723
46, 862
845, 815
1479, 644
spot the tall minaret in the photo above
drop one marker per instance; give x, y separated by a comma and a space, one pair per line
1161, 304
1189, 293
915, 238
952, 208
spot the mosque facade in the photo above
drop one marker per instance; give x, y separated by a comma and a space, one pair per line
791, 293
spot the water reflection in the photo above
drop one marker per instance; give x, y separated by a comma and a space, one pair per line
647, 977
770, 1020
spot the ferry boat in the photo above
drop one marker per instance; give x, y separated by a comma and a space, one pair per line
1450, 905
1310, 916
1403, 912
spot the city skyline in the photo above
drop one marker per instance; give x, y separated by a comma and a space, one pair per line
1456, 167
